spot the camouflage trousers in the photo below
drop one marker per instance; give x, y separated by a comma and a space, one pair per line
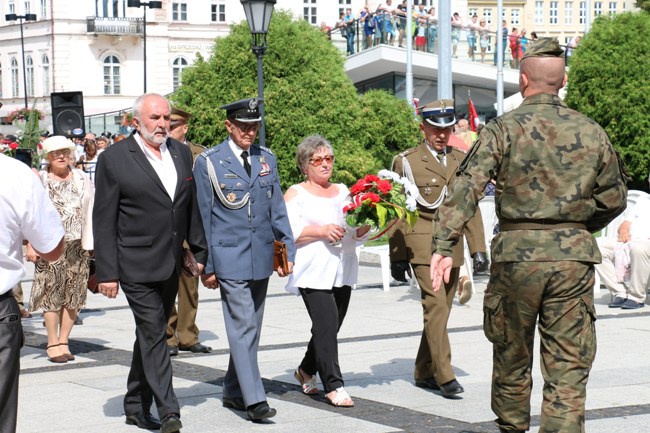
559, 296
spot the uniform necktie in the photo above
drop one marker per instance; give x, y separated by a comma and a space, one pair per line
247, 165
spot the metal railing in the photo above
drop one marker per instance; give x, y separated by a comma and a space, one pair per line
114, 26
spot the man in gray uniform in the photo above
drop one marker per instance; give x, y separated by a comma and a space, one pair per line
243, 212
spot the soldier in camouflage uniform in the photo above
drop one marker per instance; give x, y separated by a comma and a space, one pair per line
431, 166
558, 179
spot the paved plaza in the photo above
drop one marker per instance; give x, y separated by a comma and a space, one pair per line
378, 343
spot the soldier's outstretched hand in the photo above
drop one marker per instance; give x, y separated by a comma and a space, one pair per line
440, 270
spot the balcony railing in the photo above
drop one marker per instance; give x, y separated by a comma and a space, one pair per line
114, 26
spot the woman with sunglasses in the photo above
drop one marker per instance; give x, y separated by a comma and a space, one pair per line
60, 287
326, 264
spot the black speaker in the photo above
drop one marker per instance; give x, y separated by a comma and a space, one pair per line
67, 112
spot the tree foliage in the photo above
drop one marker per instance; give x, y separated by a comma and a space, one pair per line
643, 5
609, 82
306, 92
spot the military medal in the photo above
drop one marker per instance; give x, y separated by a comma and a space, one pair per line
265, 167
222, 185
231, 197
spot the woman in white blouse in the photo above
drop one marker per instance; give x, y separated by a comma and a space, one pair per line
326, 264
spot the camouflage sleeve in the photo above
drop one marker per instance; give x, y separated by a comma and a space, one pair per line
479, 166
610, 191
396, 240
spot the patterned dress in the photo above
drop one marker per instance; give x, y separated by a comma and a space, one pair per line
63, 283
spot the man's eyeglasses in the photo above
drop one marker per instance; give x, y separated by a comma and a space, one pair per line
247, 127
59, 153
318, 161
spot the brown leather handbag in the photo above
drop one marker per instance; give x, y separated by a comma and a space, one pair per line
190, 267
280, 258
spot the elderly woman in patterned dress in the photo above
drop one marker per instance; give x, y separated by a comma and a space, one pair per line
60, 287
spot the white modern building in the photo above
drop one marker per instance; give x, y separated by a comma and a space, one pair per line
96, 47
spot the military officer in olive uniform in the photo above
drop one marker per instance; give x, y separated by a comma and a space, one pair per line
182, 332
558, 180
243, 211
432, 166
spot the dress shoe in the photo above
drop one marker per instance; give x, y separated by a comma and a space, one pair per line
58, 359
427, 383
196, 348
259, 411
236, 403
617, 302
631, 304
171, 423
451, 388
143, 420
464, 290
480, 264
173, 350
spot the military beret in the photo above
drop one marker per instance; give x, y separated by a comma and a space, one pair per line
246, 110
179, 116
439, 113
544, 47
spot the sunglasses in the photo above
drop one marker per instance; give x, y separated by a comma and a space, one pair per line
60, 153
318, 161
247, 127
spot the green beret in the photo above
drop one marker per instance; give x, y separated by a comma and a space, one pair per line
544, 47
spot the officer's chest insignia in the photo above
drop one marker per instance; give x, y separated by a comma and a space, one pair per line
231, 197
433, 180
427, 191
222, 185
265, 167
230, 176
268, 193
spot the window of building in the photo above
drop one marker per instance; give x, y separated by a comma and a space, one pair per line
218, 11
43, 8
28, 7
110, 8
514, 17
29, 75
345, 2
309, 11
179, 11
568, 12
598, 8
487, 16
552, 12
179, 64
14, 77
539, 12
472, 12
612, 8
583, 12
45, 69
12, 7
111, 75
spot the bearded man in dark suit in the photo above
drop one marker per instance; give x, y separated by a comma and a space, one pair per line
147, 208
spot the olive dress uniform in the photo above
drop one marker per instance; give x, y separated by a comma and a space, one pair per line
433, 178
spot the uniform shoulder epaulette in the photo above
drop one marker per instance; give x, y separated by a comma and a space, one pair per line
266, 149
208, 152
407, 152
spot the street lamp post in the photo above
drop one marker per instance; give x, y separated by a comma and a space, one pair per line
151, 5
26, 17
258, 15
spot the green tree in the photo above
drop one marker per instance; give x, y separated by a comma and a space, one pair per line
643, 4
609, 82
306, 92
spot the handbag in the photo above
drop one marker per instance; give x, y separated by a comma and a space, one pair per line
190, 267
92, 284
280, 258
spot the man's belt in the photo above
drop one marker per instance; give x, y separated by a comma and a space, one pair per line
529, 224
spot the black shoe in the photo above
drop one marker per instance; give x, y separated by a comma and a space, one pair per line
427, 383
170, 423
143, 420
480, 264
196, 348
631, 304
173, 350
236, 403
451, 388
617, 302
259, 411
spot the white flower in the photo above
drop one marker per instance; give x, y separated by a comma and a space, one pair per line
411, 204
387, 174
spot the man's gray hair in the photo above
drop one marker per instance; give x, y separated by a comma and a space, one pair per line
137, 105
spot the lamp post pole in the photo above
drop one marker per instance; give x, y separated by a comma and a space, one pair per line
258, 16
150, 5
26, 17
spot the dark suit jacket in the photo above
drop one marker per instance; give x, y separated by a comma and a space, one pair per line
138, 230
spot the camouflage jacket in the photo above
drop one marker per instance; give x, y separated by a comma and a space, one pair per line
552, 165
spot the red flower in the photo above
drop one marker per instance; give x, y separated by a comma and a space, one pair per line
370, 178
349, 207
384, 186
374, 198
360, 186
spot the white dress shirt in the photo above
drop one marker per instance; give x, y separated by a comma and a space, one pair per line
165, 168
238, 150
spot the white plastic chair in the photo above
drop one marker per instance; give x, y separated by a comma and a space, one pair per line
384, 260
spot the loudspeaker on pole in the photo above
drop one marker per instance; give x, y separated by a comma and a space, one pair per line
67, 112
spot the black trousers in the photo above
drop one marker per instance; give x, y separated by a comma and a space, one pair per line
11, 340
327, 309
150, 376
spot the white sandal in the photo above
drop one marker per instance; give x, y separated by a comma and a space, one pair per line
309, 387
342, 398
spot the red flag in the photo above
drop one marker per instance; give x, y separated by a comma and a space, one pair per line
473, 116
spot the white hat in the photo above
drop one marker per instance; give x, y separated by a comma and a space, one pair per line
57, 142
